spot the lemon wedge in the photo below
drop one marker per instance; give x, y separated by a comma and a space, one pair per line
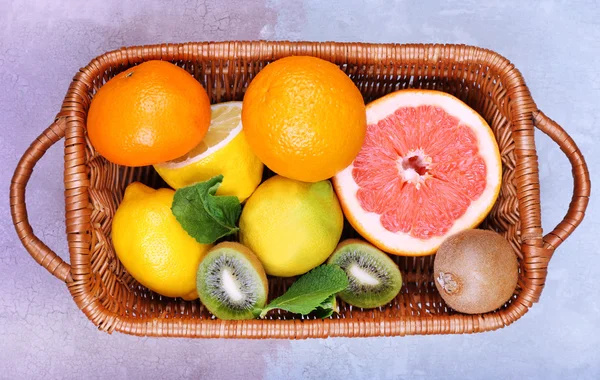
224, 150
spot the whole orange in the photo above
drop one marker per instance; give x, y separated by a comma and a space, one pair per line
151, 113
304, 118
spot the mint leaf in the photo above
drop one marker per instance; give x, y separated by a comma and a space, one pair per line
327, 308
205, 216
311, 291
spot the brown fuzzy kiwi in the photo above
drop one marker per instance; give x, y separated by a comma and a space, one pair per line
476, 271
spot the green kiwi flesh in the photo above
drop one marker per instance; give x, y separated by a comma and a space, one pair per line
374, 279
231, 282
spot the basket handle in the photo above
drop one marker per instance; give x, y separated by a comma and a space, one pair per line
18, 209
581, 180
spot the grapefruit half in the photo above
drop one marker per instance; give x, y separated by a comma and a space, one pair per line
429, 167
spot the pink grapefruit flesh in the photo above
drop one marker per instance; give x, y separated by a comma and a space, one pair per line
429, 167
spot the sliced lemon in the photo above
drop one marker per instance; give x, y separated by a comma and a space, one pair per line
223, 150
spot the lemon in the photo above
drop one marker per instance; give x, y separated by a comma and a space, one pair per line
223, 150
153, 246
291, 226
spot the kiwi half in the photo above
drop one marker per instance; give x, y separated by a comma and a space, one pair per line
231, 282
374, 279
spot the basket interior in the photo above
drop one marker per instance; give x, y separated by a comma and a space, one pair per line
225, 80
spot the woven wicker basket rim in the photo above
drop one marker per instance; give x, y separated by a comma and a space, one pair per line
524, 116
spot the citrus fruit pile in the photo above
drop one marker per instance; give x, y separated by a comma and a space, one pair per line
408, 171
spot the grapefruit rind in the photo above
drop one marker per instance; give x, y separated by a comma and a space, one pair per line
368, 224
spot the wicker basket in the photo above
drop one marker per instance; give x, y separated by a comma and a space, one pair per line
486, 81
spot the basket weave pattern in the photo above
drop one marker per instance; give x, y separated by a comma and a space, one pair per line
487, 82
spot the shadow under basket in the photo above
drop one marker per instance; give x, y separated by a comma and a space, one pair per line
486, 81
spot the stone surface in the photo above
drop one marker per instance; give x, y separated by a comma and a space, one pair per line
42, 44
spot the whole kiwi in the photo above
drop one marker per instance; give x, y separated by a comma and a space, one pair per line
476, 271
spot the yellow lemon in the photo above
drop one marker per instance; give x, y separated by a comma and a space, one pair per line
291, 226
223, 150
153, 246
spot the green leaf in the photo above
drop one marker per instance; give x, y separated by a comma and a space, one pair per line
311, 291
327, 308
205, 216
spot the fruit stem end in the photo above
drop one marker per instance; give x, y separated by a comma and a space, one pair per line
448, 283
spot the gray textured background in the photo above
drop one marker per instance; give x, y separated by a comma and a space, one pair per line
556, 46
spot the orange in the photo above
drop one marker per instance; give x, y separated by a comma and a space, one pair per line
304, 118
430, 167
151, 113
